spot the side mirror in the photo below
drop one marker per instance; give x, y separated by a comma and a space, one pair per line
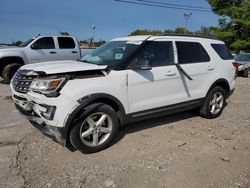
145, 67
34, 46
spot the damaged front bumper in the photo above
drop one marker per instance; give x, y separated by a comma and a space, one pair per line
58, 134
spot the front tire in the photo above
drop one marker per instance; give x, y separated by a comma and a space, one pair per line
9, 71
214, 103
96, 130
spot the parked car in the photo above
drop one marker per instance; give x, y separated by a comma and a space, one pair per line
128, 79
37, 49
244, 64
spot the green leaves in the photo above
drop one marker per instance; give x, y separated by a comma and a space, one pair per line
234, 26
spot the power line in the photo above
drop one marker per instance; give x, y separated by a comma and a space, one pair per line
176, 5
161, 6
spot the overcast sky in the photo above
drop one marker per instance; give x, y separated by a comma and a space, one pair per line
22, 19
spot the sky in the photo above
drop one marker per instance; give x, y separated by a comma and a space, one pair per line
23, 19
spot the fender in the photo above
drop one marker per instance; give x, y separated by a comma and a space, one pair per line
13, 52
95, 98
223, 83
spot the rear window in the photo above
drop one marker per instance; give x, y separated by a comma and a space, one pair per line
222, 51
191, 52
66, 43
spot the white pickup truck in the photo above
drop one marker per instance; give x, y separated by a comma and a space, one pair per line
38, 49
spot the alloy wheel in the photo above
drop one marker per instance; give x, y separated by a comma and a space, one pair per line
96, 129
216, 103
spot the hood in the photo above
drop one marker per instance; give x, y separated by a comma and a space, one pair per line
9, 48
55, 67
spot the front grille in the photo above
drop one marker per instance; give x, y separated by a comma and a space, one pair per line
21, 82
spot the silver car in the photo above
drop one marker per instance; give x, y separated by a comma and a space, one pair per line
244, 64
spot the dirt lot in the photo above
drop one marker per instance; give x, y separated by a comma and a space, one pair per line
181, 150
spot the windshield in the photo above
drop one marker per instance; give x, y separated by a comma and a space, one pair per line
26, 43
242, 57
111, 53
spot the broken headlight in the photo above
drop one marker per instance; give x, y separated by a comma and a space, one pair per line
47, 86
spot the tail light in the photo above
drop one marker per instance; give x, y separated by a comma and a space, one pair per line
236, 65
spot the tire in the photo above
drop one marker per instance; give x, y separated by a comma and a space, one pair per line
214, 103
246, 72
9, 71
89, 137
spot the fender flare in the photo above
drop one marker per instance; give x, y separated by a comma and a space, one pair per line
220, 82
90, 99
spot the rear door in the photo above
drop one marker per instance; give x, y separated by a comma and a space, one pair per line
43, 49
196, 62
68, 48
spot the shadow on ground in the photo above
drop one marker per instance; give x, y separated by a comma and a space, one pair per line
152, 123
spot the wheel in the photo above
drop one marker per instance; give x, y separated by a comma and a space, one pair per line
9, 71
214, 103
96, 130
246, 73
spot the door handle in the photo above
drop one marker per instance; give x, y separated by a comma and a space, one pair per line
74, 52
170, 73
52, 52
210, 68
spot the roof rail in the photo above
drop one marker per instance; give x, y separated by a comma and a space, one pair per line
188, 35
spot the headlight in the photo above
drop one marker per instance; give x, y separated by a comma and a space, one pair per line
46, 85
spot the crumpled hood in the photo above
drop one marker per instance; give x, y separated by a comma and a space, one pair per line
54, 67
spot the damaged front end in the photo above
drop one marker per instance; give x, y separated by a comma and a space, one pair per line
38, 97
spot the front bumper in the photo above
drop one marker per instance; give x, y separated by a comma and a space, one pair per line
58, 134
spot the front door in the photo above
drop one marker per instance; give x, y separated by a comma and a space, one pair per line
43, 49
158, 87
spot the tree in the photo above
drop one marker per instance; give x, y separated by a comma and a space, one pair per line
181, 30
99, 43
16, 43
64, 33
145, 32
234, 26
206, 31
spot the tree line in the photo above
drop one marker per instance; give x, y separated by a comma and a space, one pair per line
233, 26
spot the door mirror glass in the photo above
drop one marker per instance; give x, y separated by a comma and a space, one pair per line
34, 46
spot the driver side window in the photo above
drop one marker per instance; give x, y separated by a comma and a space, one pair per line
155, 54
44, 43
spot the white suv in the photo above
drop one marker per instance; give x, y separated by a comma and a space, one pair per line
83, 103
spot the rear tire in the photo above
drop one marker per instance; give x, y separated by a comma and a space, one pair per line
246, 73
9, 71
96, 130
214, 103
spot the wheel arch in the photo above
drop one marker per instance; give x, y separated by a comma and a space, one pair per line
222, 83
94, 99
4, 61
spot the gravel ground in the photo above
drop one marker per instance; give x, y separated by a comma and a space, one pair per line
180, 150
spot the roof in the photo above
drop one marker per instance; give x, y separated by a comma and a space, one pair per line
167, 36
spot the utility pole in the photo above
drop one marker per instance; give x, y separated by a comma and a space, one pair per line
187, 17
93, 28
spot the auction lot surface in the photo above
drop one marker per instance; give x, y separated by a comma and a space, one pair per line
180, 150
